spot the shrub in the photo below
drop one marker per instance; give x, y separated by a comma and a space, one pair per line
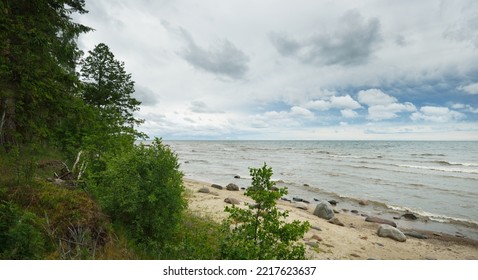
259, 231
142, 189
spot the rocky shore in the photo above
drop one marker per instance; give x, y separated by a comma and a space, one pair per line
339, 233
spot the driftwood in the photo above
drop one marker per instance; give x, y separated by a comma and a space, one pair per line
71, 177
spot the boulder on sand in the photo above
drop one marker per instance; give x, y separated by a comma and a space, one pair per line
216, 186
301, 205
391, 232
203, 190
378, 220
324, 210
232, 187
231, 200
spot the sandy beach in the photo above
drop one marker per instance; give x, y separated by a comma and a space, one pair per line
357, 239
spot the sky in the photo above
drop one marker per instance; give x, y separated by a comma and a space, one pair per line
296, 70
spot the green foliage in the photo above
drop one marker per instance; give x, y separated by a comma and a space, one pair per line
260, 232
196, 238
109, 88
38, 54
142, 189
21, 236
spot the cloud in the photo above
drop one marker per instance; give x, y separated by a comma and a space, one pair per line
381, 105
224, 59
470, 89
389, 111
375, 96
352, 43
436, 114
291, 118
337, 102
201, 107
348, 113
146, 96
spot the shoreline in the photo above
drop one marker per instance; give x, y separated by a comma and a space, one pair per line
357, 239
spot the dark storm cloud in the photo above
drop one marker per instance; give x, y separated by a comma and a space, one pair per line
352, 43
224, 59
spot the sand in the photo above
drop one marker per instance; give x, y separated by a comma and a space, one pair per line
358, 239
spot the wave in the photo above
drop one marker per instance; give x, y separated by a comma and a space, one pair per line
447, 163
436, 217
429, 155
443, 169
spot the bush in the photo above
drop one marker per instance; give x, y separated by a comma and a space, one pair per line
21, 236
142, 189
260, 232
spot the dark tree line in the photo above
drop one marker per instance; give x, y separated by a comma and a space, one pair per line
42, 97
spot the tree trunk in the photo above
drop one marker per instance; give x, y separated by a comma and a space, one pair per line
8, 126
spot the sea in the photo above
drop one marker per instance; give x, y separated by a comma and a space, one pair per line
435, 181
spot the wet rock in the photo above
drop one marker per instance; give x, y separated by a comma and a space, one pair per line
305, 201
391, 232
237, 177
306, 185
409, 216
324, 210
301, 205
316, 199
363, 202
416, 235
345, 210
354, 211
243, 188
437, 234
378, 220
285, 199
336, 221
333, 202
216, 186
203, 190
232, 200
232, 187
295, 198
459, 234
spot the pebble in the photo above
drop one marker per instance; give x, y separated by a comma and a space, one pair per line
316, 228
316, 237
306, 185
355, 255
336, 221
354, 211
237, 176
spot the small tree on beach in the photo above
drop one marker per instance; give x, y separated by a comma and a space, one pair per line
260, 230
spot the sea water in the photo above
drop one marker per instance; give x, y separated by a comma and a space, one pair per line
437, 181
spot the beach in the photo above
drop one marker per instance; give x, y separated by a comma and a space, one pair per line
355, 240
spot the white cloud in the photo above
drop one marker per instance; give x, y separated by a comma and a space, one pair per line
470, 89
348, 113
389, 111
436, 114
334, 102
375, 96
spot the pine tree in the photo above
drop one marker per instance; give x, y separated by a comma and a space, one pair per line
38, 55
109, 88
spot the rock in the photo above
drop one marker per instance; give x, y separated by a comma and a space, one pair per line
354, 211
355, 255
217, 186
237, 177
231, 200
324, 210
301, 205
285, 199
316, 199
391, 232
333, 202
316, 237
416, 235
336, 221
459, 234
312, 244
345, 210
203, 190
410, 216
305, 201
306, 185
437, 234
363, 202
378, 220
336, 211
295, 198
396, 218
316, 228
243, 188
232, 187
